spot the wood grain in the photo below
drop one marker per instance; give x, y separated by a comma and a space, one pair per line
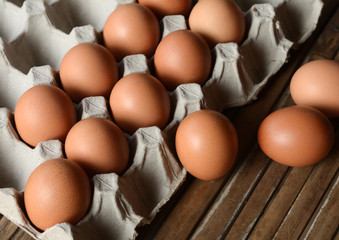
325, 220
309, 198
257, 202
7, 229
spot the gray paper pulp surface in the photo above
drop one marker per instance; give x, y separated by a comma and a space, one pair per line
34, 38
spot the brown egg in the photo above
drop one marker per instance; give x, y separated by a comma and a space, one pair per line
43, 113
218, 21
57, 191
98, 145
88, 69
139, 100
207, 144
316, 84
131, 29
182, 57
168, 7
296, 136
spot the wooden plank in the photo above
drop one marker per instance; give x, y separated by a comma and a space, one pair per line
279, 206
21, 235
257, 202
191, 206
233, 197
326, 219
7, 228
309, 197
328, 43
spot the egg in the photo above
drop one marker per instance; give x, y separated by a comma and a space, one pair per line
182, 57
88, 69
207, 144
57, 191
316, 84
43, 113
218, 21
98, 145
168, 7
296, 136
139, 100
131, 29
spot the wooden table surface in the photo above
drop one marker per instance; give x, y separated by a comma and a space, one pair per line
258, 199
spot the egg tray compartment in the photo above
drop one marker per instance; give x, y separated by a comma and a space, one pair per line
119, 204
41, 32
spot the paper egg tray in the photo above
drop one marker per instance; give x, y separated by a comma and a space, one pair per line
34, 38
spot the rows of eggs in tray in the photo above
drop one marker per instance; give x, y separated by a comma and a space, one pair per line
33, 101
191, 77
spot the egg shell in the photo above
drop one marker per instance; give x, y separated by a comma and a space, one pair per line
296, 136
139, 100
316, 84
131, 29
98, 145
44, 113
57, 191
207, 144
218, 21
168, 7
88, 69
182, 57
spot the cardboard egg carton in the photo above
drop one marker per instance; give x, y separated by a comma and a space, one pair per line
34, 38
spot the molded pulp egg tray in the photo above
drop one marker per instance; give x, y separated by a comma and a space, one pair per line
36, 35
